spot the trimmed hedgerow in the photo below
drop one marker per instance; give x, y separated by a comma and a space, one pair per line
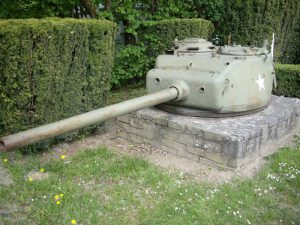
134, 60
288, 80
51, 69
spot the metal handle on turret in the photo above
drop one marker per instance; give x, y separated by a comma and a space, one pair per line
87, 119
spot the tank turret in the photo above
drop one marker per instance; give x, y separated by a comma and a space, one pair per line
228, 80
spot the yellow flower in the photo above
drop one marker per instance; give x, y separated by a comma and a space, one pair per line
61, 195
58, 203
56, 197
5, 160
73, 221
42, 170
30, 179
62, 156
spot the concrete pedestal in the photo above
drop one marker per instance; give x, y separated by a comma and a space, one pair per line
229, 141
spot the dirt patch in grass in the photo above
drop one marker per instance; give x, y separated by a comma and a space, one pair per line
5, 176
12, 214
35, 175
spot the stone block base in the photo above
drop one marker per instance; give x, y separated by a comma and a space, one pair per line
229, 141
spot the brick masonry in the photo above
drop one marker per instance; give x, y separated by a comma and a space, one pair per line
229, 141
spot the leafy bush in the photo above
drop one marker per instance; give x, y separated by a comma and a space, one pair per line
133, 61
51, 69
131, 64
288, 80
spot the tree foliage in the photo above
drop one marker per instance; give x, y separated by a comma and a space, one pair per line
23, 9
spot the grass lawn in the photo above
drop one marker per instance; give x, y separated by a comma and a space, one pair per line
102, 187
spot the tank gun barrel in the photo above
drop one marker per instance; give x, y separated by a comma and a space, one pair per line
37, 134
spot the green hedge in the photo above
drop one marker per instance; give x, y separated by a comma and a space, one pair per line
52, 69
133, 61
252, 21
288, 80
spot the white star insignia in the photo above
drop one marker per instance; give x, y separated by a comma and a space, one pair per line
260, 83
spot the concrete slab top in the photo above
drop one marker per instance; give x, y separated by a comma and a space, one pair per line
280, 109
